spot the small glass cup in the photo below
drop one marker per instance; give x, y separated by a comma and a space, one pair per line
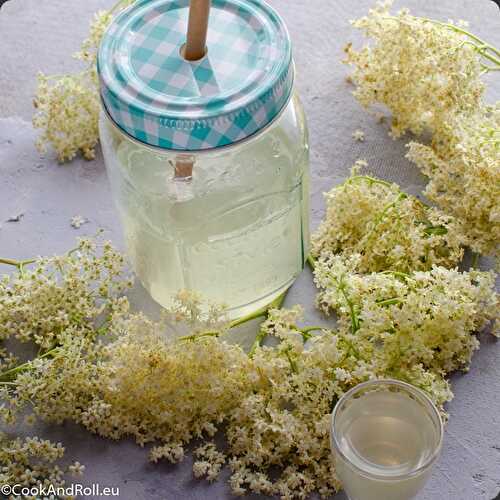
385, 436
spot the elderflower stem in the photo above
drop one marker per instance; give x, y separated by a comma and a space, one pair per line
16, 263
475, 260
371, 180
21, 263
354, 316
257, 342
306, 331
293, 364
311, 261
489, 68
389, 302
263, 334
275, 304
257, 314
397, 273
381, 215
197, 336
483, 45
480, 46
9, 375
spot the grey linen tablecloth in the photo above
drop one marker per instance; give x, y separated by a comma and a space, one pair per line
42, 34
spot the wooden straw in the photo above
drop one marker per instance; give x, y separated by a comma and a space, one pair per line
184, 166
196, 42
193, 50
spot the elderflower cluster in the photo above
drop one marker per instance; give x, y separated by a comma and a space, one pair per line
134, 377
426, 318
67, 107
274, 406
33, 462
67, 112
463, 167
209, 462
60, 385
422, 70
283, 424
428, 74
45, 298
90, 46
386, 227
156, 389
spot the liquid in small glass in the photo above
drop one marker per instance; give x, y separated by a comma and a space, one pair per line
385, 436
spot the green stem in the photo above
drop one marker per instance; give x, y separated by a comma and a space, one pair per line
435, 230
397, 273
380, 217
275, 304
9, 375
389, 302
21, 263
240, 321
197, 336
475, 260
489, 68
480, 45
311, 261
305, 331
257, 342
308, 329
462, 31
351, 348
354, 316
371, 180
293, 364
17, 263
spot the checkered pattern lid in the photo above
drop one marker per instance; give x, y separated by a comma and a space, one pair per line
156, 96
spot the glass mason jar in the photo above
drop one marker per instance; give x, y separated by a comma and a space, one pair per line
229, 220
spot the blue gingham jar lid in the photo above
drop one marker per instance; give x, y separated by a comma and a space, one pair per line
156, 96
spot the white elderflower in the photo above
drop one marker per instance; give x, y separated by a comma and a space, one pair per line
76, 469
209, 462
359, 165
31, 461
129, 376
358, 135
463, 167
387, 228
78, 221
67, 107
53, 294
425, 318
67, 111
424, 71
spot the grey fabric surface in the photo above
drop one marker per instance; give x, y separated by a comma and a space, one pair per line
41, 34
